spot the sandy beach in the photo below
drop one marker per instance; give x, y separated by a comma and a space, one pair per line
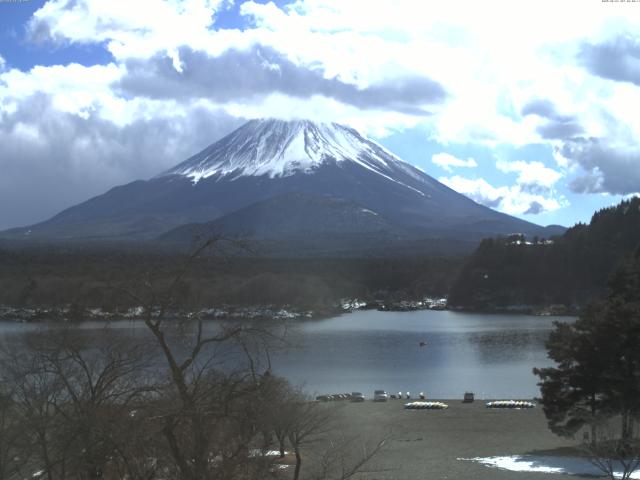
429, 443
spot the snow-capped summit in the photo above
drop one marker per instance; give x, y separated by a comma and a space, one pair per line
278, 148
288, 183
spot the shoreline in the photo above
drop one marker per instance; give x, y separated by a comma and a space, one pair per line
446, 444
69, 314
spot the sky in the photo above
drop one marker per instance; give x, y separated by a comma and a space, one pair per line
527, 107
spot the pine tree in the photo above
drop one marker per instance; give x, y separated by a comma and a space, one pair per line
598, 362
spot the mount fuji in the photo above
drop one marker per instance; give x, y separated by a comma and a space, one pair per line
290, 184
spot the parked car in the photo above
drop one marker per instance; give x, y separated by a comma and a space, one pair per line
468, 397
380, 396
357, 397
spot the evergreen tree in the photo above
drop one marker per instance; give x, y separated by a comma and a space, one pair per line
598, 362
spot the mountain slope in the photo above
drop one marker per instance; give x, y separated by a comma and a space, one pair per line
293, 214
298, 224
265, 159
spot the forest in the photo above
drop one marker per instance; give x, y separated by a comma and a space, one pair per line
93, 277
567, 271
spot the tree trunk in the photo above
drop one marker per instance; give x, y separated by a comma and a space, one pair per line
266, 440
594, 428
625, 433
45, 456
296, 473
281, 439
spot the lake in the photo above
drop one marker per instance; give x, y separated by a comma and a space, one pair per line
489, 354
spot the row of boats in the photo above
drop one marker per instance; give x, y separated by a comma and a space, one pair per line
426, 406
382, 396
510, 404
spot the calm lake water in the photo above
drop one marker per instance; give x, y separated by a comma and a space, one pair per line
491, 355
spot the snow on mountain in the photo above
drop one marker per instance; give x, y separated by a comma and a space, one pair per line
277, 148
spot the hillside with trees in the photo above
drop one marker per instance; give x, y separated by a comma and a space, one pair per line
513, 273
92, 277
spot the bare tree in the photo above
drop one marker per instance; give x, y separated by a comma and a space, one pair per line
192, 401
12, 437
615, 454
343, 457
308, 421
73, 396
278, 401
314, 434
214, 373
36, 394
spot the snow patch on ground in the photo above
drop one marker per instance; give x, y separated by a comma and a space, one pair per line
543, 464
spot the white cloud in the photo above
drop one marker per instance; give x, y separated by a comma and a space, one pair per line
131, 29
491, 66
73, 88
489, 79
530, 173
373, 122
508, 199
447, 161
462, 46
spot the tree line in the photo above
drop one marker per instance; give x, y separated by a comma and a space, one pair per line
569, 270
86, 277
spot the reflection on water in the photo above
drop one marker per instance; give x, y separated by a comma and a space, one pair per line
491, 355
492, 346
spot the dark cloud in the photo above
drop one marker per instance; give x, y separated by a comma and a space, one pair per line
534, 208
535, 188
72, 159
608, 169
540, 107
589, 183
240, 75
487, 202
545, 109
557, 126
618, 59
553, 130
